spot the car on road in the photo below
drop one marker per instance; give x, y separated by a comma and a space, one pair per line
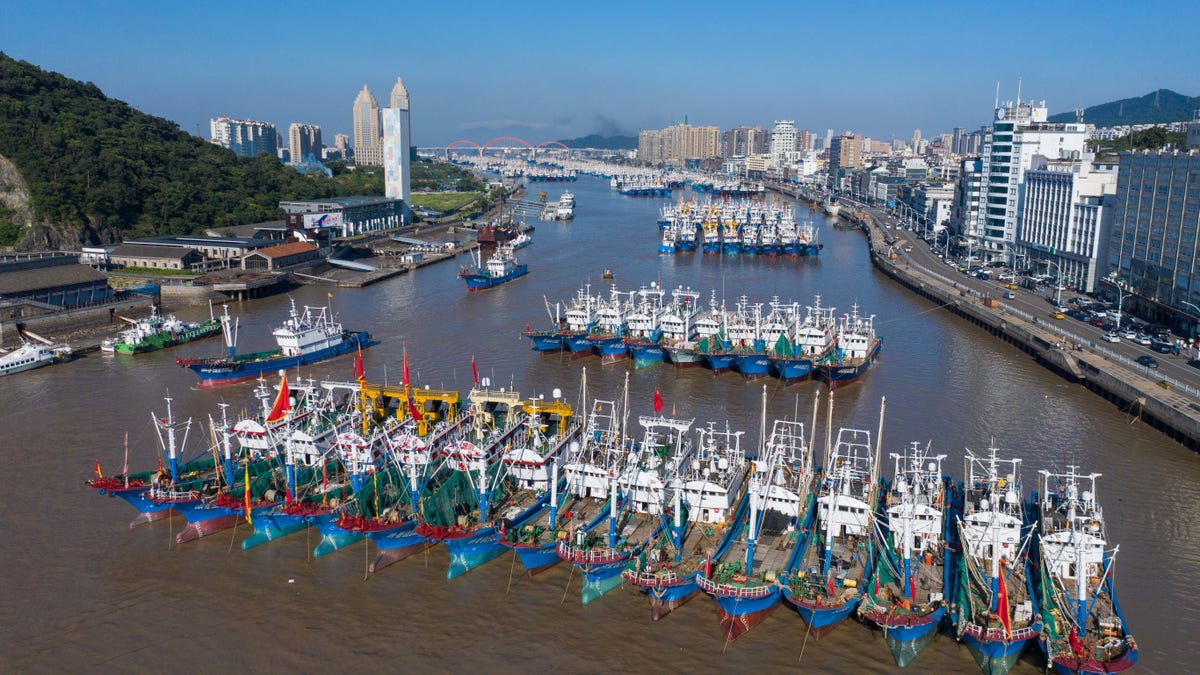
1164, 347
1195, 363
1098, 323
1057, 315
1110, 337
1148, 361
1011, 286
1009, 295
1143, 340
1129, 335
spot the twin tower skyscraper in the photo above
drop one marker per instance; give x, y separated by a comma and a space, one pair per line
382, 137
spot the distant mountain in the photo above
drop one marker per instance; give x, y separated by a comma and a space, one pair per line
602, 142
1163, 105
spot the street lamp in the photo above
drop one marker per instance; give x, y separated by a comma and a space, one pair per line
1058, 282
1121, 295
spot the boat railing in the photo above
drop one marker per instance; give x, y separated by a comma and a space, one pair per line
593, 556
731, 590
659, 578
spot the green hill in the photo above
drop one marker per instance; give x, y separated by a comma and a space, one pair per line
1163, 105
97, 170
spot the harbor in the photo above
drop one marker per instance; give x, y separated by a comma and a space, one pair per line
945, 380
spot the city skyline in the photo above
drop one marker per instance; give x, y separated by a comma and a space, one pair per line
477, 73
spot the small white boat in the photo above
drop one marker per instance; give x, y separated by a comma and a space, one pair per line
31, 355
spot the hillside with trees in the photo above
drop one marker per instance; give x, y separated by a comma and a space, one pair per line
83, 168
1157, 107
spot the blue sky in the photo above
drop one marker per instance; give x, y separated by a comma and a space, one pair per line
545, 71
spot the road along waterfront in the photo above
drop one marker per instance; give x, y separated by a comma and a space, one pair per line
86, 591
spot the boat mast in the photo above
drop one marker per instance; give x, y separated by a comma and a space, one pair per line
226, 445
831, 475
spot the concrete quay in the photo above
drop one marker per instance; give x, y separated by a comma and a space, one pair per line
1169, 405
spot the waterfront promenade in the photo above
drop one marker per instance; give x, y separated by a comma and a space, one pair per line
1167, 402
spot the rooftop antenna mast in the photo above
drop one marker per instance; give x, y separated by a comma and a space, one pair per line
1018, 91
997, 94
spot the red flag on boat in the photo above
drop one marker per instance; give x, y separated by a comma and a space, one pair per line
1002, 605
283, 402
412, 409
474, 372
829, 582
658, 402
358, 366
405, 367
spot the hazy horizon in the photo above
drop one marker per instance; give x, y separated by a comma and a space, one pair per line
550, 71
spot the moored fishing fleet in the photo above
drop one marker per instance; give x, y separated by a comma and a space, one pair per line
652, 325
676, 509
733, 227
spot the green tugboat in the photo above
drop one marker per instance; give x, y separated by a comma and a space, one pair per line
158, 332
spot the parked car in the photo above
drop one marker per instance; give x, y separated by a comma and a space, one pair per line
1148, 361
1143, 339
1110, 337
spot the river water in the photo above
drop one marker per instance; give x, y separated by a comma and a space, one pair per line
84, 591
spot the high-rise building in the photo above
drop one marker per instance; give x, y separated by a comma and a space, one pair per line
965, 216
368, 132
956, 143
1018, 133
744, 141
304, 143
845, 153
342, 143
246, 138
916, 141
783, 144
1153, 248
679, 142
1193, 133
397, 144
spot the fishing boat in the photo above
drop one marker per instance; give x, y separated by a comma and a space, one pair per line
699, 526
305, 337
678, 324
643, 332
29, 355
637, 505
502, 267
767, 532
150, 491
520, 241
910, 589
565, 210
478, 501
826, 586
607, 333
158, 332
552, 437
416, 450
855, 348
1083, 629
995, 611
580, 315
794, 357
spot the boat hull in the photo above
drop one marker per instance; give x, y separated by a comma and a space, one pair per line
333, 538
752, 366
792, 370
396, 544
218, 372
907, 635
545, 341
836, 374
996, 656
148, 511
471, 551
271, 525
821, 619
204, 520
536, 558
479, 282
739, 614
647, 354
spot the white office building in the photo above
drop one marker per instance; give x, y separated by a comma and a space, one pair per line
1018, 133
